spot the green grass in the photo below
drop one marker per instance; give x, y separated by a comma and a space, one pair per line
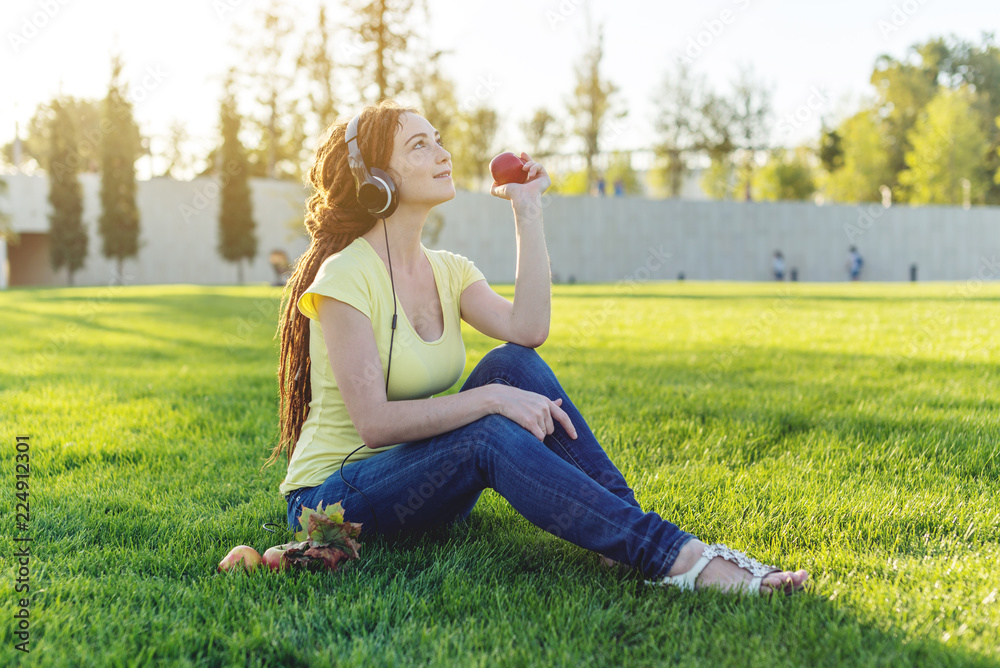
849, 429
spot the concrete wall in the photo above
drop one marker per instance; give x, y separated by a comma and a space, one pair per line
178, 231
610, 239
589, 239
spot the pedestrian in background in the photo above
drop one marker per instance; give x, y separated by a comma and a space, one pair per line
779, 266
854, 262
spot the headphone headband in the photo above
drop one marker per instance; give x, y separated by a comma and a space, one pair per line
354, 159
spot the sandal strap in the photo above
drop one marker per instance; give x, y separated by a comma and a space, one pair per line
743, 561
758, 570
687, 579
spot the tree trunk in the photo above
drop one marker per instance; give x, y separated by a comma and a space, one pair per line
380, 69
239, 272
676, 174
272, 128
749, 176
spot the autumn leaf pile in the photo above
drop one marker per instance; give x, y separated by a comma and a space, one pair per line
326, 542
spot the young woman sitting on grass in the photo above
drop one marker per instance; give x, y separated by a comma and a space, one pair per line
414, 460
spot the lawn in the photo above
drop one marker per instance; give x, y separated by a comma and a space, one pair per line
849, 429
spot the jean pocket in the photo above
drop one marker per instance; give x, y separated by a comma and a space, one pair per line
295, 508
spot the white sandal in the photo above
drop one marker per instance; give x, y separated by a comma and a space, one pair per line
686, 581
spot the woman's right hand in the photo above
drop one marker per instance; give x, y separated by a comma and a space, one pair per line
533, 411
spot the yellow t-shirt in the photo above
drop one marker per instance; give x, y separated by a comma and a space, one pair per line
357, 276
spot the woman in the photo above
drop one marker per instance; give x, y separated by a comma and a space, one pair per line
349, 380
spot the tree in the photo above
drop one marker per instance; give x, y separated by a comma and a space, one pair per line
871, 149
733, 131
472, 146
620, 170
177, 159
751, 112
573, 183
866, 160
715, 126
903, 89
978, 68
67, 235
6, 229
383, 25
719, 180
676, 123
785, 177
317, 65
237, 238
296, 148
948, 148
715, 139
269, 66
591, 104
120, 148
36, 145
542, 133
436, 98
996, 175
831, 150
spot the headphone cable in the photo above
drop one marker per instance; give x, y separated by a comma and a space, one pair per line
392, 337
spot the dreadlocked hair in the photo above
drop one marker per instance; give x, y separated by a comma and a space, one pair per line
334, 219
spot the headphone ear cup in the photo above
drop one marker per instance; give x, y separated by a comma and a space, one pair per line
388, 200
371, 195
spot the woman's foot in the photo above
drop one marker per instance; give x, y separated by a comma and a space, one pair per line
724, 574
608, 561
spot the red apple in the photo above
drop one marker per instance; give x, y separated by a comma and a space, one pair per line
240, 556
274, 558
506, 168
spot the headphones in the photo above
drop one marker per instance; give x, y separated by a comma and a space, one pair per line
377, 193
376, 190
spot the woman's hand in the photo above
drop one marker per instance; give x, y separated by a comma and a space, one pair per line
519, 194
531, 410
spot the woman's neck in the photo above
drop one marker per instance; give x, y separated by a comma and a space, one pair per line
404, 228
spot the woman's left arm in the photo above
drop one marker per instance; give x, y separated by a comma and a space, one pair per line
532, 307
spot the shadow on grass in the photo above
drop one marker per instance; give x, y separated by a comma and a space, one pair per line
501, 590
242, 321
859, 399
604, 615
208, 305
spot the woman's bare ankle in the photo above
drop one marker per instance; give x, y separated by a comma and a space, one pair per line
687, 557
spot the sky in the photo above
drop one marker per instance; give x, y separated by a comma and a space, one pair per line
516, 55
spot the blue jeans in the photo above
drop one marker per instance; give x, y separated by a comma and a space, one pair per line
567, 487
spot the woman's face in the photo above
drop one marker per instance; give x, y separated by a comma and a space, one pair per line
421, 163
